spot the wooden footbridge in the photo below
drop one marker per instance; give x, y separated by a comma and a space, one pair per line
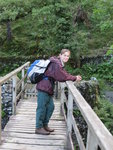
19, 133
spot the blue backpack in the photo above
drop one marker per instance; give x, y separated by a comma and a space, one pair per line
37, 69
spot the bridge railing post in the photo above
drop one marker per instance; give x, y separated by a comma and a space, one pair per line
14, 95
23, 84
62, 97
57, 93
92, 143
0, 115
69, 112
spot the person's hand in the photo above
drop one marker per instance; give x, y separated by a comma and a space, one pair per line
78, 78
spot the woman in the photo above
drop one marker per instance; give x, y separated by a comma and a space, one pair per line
45, 87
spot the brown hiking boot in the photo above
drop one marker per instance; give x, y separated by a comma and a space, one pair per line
48, 129
41, 131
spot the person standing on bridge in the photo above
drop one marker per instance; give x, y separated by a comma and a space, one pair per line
45, 104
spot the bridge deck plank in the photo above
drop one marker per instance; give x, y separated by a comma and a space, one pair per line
19, 132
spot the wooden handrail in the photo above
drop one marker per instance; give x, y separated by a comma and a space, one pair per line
0, 115
13, 75
6, 77
98, 134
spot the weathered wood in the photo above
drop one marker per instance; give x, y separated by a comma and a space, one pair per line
14, 95
33, 141
0, 114
62, 98
77, 133
25, 124
19, 133
69, 112
70, 145
32, 131
63, 112
16, 146
103, 136
13, 75
33, 136
32, 123
23, 85
8, 76
19, 95
92, 142
20, 130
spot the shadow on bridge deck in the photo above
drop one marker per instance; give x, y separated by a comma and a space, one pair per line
19, 133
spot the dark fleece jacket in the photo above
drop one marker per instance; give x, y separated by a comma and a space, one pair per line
55, 72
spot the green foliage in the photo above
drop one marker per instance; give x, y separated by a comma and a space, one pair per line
103, 71
87, 71
104, 110
76, 113
45, 27
10, 10
102, 15
5, 69
3, 114
110, 51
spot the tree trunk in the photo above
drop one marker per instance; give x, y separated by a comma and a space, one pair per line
9, 32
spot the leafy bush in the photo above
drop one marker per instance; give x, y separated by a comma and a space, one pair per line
103, 71
3, 114
45, 27
86, 71
110, 51
104, 110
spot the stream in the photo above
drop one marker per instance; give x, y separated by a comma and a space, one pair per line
109, 95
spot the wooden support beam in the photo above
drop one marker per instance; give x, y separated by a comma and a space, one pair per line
0, 114
69, 112
92, 143
14, 95
23, 74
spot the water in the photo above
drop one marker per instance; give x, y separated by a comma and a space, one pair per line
109, 95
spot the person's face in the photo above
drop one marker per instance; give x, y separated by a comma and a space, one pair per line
65, 57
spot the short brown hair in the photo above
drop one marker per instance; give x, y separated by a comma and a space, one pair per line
64, 50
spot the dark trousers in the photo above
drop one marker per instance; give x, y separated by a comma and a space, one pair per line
45, 108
